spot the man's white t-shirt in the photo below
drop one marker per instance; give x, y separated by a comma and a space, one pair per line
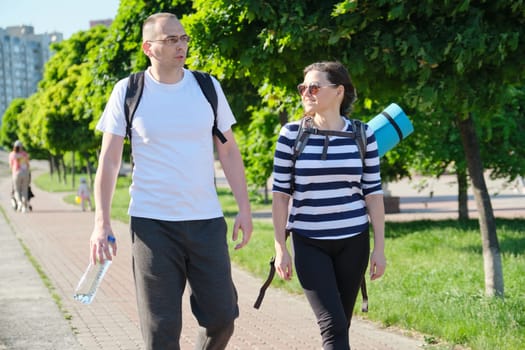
172, 145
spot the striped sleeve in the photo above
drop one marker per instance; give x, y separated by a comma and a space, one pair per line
282, 161
371, 181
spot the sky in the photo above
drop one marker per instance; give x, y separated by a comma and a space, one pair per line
65, 16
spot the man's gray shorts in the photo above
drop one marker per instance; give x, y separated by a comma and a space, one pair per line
166, 254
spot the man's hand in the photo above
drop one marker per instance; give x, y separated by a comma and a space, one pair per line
243, 222
100, 242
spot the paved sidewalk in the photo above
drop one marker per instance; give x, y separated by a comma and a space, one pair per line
57, 234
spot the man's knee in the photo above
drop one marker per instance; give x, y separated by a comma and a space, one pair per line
215, 337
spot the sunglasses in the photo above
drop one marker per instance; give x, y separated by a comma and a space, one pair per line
313, 88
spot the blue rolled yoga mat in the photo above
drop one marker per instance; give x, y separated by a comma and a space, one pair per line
390, 127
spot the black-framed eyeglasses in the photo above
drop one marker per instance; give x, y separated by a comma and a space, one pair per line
172, 40
312, 88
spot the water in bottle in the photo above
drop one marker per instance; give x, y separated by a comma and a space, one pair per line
91, 279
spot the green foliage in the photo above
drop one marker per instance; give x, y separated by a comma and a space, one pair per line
9, 132
29, 127
258, 145
437, 60
440, 61
502, 136
431, 58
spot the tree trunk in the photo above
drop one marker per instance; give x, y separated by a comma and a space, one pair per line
51, 165
73, 170
89, 171
461, 175
283, 117
489, 238
58, 170
62, 175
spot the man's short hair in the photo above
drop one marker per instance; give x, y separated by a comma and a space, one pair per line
151, 20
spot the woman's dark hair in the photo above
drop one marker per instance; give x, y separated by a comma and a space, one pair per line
336, 73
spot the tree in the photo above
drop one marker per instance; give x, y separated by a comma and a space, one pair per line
9, 130
65, 114
448, 60
453, 56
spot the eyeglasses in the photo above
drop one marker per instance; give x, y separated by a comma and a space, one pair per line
313, 88
172, 40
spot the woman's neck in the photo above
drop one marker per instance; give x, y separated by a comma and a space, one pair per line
329, 122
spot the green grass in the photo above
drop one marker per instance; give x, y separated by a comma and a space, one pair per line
434, 283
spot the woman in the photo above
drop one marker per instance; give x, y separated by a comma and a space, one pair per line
334, 193
19, 163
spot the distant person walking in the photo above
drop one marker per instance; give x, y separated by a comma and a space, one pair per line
84, 194
19, 164
178, 230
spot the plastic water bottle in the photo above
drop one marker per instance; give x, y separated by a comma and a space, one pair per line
91, 279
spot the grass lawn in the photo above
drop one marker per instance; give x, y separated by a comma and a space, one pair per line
434, 283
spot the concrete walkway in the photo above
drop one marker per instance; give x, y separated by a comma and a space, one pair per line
56, 235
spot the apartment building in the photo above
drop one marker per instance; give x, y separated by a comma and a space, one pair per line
22, 57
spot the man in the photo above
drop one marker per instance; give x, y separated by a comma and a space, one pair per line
177, 226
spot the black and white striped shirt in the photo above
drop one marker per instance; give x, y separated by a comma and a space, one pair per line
328, 199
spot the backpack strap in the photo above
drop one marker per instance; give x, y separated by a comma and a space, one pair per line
303, 133
360, 137
136, 87
207, 87
133, 95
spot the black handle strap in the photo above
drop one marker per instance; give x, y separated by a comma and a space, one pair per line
266, 284
364, 294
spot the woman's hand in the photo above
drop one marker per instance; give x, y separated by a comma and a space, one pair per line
283, 264
377, 264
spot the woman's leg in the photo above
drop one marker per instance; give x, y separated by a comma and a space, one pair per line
24, 187
350, 267
17, 185
315, 269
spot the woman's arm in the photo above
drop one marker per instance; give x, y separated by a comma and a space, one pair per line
376, 211
283, 261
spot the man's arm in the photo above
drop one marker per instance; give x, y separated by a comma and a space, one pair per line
233, 167
104, 187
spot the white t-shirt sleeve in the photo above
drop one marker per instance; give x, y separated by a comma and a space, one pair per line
225, 117
113, 120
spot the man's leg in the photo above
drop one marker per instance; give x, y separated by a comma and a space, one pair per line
213, 295
159, 271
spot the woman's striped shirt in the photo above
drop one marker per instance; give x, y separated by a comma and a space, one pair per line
328, 198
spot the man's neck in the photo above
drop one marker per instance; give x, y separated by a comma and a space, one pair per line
167, 76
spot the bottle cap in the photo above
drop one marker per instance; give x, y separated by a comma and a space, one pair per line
111, 239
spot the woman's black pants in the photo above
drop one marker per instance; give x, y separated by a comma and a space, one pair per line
330, 272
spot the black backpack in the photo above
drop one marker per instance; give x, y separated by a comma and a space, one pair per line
136, 86
306, 129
